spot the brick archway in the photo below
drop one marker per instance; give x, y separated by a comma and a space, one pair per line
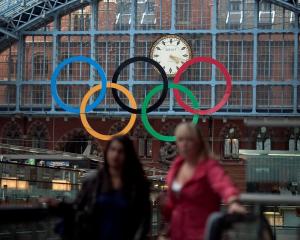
67, 137
116, 127
11, 130
140, 132
38, 131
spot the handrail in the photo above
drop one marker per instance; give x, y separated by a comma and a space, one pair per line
270, 199
13, 214
38, 212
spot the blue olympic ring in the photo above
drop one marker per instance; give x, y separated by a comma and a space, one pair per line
54, 77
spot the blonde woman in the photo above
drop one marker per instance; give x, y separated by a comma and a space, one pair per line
197, 184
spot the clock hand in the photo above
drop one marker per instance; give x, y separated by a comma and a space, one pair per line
178, 59
174, 58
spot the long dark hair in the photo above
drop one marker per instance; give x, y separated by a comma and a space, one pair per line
133, 173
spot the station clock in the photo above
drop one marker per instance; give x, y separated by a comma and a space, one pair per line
171, 52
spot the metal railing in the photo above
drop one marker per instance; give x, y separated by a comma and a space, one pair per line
270, 199
38, 223
281, 211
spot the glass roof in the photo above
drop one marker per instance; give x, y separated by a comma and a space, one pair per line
9, 8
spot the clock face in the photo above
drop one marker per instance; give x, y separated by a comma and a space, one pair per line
171, 52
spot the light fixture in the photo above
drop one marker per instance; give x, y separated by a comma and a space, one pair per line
65, 119
224, 120
14, 183
61, 185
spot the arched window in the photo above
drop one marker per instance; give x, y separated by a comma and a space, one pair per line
38, 135
184, 11
12, 135
40, 66
144, 142
81, 20
76, 22
77, 142
67, 72
294, 141
145, 147
12, 66
263, 141
231, 144
116, 127
66, 93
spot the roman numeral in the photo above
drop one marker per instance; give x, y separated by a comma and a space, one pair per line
177, 68
170, 70
156, 55
183, 48
171, 40
158, 48
163, 42
185, 55
178, 42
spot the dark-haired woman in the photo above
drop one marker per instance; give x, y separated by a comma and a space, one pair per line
114, 202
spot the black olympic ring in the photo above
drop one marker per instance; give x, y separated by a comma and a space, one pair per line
163, 93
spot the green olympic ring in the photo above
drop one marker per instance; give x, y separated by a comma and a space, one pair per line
146, 102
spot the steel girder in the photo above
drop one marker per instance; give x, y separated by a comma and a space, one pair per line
32, 17
292, 5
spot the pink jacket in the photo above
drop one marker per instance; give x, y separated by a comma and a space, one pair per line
199, 197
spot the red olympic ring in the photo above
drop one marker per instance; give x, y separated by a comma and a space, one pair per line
228, 90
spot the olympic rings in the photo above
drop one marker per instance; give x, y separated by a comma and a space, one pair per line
145, 120
54, 84
84, 108
227, 91
164, 90
83, 117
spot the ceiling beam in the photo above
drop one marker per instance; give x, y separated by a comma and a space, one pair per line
286, 5
8, 33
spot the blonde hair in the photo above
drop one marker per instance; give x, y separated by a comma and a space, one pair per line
196, 131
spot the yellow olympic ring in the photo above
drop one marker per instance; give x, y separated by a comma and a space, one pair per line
83, 117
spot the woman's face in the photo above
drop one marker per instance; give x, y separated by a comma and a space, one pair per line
115, 155
187, 143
